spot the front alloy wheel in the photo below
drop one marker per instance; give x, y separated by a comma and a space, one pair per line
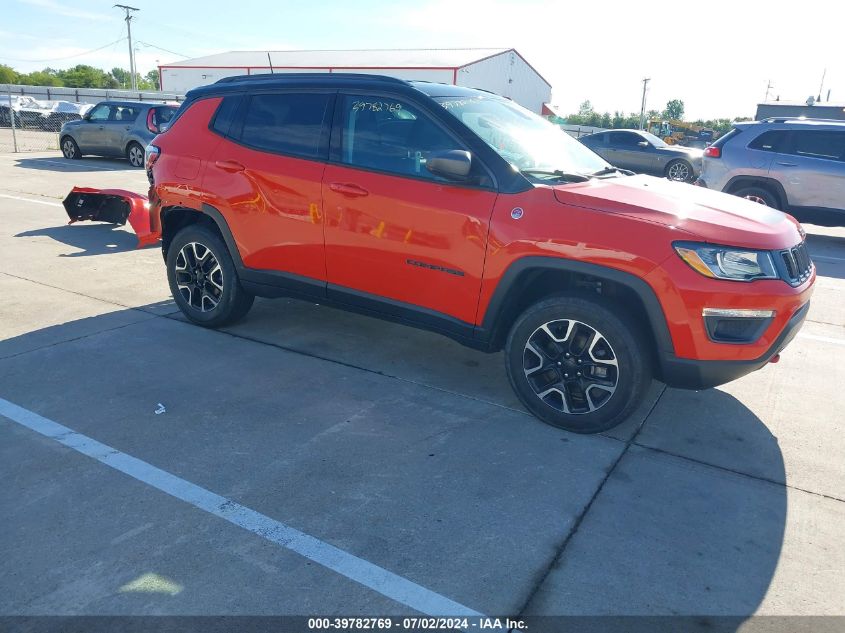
578, 363
199, 277
570, 366
679, 171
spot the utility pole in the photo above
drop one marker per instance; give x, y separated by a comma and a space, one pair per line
129, 35
769, 86
642, 108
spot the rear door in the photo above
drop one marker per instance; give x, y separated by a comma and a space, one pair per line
393, 229
267, 173
812, 169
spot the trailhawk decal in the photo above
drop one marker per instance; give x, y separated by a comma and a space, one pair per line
442, 269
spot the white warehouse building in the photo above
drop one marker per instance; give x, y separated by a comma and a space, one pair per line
500, 70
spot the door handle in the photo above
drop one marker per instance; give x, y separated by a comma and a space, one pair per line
788, 164
101, 127
231, 166
347, 189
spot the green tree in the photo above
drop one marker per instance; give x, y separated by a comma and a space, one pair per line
152, 78
8, 75
84, 76
674, 110
585, 109
122, 77
46, 77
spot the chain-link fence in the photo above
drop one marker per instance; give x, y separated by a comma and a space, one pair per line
31, 117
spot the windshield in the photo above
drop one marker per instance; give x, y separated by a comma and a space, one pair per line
525, 140
651, 138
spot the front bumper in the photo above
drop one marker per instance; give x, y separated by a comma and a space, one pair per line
686, 373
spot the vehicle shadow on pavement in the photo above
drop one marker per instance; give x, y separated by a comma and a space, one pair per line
91, 239
676, 529
85, 164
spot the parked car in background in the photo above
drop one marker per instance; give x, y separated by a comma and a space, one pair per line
788, 164
644, 153
115, 128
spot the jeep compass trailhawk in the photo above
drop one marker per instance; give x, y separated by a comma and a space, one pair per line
460, 212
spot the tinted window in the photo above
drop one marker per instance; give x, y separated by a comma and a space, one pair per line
124, 113
829, 145
769, 141
290, 123
595, 139
100, 112
225, 114
390, 135
624, 139
719, 142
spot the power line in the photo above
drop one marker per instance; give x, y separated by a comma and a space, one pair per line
163, 49
57, 59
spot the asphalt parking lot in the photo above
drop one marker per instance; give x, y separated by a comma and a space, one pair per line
310, 461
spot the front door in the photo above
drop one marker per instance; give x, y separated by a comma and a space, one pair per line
90, 133
393, 229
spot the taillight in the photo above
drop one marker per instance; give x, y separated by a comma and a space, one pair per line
151, 156
713, 152
151, 123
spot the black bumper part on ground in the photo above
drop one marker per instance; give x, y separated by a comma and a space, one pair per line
686, 373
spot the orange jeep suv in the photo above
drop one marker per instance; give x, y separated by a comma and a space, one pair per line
461, 212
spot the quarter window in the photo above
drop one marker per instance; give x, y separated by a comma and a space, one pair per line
390, 135
225, 114
288, 123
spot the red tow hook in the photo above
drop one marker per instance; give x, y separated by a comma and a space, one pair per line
774, 358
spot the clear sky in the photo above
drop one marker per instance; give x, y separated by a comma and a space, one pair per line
715, 55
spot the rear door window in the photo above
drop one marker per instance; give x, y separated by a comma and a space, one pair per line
288, 123
818, 144
625, 139
124, 114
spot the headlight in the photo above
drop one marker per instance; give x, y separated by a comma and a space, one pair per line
725, 262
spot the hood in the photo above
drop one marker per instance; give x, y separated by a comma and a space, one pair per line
711, 216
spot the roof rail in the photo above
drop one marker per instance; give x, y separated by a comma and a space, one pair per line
301, 76
784, 119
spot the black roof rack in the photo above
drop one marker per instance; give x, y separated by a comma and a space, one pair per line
302, 76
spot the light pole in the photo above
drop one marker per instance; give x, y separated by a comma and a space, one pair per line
129, 35
642, 107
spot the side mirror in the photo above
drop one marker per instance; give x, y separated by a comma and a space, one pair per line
454, 164
643, 143
87, 116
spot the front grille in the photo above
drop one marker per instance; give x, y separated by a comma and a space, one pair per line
797, 264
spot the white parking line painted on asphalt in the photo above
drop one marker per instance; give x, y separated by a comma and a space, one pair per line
47, 202
823, 339
357, 569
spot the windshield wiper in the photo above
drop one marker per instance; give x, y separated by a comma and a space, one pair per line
569, 176
612, 170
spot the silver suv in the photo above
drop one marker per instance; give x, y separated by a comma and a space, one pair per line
115, 128
790, 164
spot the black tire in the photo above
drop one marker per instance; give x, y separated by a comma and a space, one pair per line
680, 170
70, 149
760, 195
196, 294
571, 408
135, 154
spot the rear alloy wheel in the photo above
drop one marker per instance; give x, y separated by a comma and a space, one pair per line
758, 195
575, 365
70, 149
679, 171
135, 154
203, 279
